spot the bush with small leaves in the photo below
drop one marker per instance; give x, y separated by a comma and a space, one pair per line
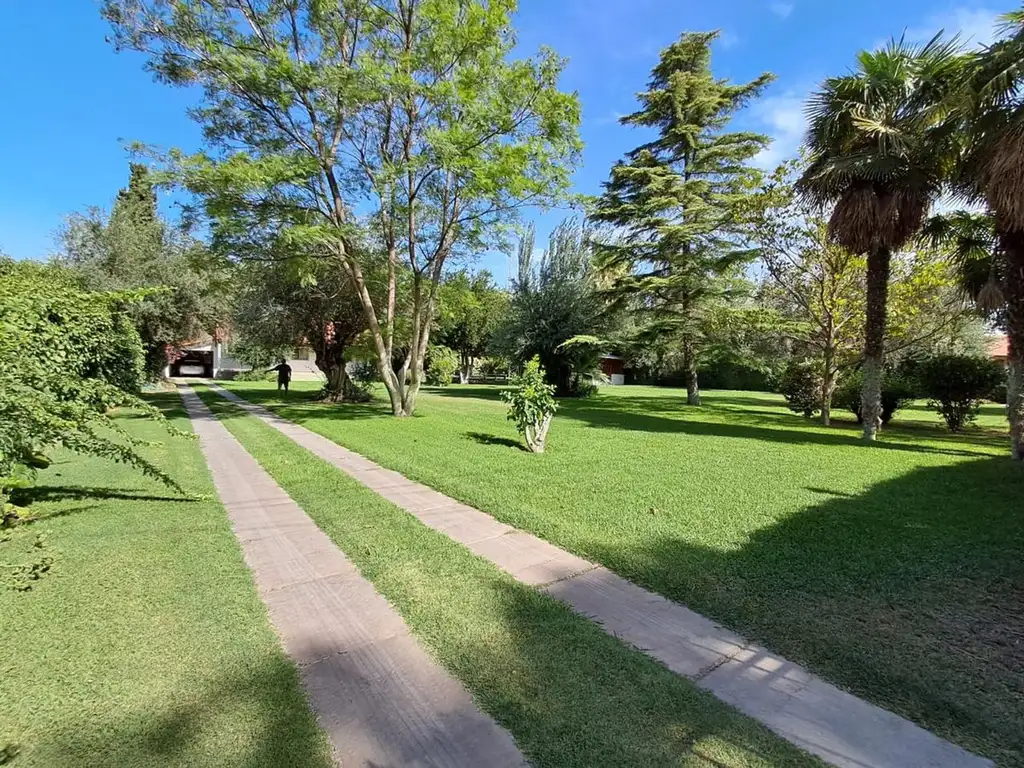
956, 385
68, 357
442, 363
898, 391
800, 384
531, 405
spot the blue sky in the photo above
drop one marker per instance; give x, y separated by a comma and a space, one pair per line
70, 101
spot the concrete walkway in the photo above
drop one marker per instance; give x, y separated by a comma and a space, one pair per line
799, 706
379, 696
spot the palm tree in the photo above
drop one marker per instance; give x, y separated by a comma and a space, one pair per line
992, 171
970, 239
882, 142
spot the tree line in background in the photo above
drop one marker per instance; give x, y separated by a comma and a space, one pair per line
359, 154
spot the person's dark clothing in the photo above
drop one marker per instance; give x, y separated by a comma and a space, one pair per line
284, 375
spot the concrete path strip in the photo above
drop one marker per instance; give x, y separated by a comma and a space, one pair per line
382, 700
839, 728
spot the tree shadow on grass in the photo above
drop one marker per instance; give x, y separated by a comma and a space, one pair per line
910, 594
54, 493
256, 717
470, 391
486, 439
777, 429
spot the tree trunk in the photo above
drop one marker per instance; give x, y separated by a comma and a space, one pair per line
1013, 249
828, 386
392, 383
690, 371
466, 369
334, 390
874, 339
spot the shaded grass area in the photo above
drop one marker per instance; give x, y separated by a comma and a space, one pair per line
570, 694
147, 645
893, 570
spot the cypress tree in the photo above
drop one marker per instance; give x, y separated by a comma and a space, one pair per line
680, 198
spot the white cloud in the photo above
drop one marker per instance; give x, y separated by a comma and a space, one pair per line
612, 117
782, 10
728, 40
782, 118
976, 26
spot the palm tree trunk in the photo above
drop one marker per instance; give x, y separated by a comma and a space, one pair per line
874, 339
1013, 248
690, 371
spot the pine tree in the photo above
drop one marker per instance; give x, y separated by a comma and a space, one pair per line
138, 197
680, 198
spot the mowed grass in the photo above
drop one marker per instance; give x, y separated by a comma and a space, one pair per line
570, 694
893, 570
147, 645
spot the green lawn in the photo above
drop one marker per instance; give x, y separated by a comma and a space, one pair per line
570, 694
147, 644
892, 570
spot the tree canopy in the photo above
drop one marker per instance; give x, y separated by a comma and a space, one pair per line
881, 146
680, 197
558, 313
470, 309
135, 248
409, 115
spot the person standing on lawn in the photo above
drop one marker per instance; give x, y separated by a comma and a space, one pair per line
284, 375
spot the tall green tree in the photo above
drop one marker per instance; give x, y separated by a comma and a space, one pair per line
558, 313
135, 248
470, 309
992, 172
680, 197
881, 145
411, 112
286, 303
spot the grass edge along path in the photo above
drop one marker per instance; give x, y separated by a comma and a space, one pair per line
375, 690
804, 709
570, 694
147, 644
892, 570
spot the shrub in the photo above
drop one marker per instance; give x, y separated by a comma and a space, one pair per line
442, 363
1000, 394
800, 384
531, 405
956, 385
585, 386
68, 357
256, 374
898, 391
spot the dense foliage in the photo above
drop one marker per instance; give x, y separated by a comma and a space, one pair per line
290, 301
135, 248
470, 310
442, 363
67, 357
957, 385
990, 172
800, 384
898, 390
412, 112
558, 313
531, 404
880, 145
680, 198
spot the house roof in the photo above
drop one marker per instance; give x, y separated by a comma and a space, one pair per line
999, 347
